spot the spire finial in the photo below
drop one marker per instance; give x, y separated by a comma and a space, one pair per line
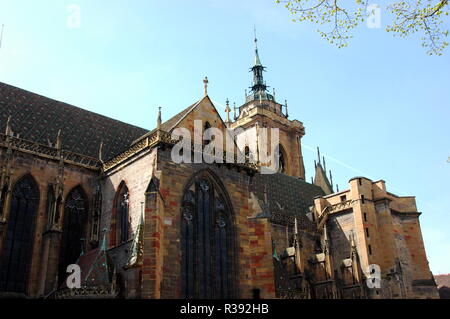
205, 82
324, 164
234, 108
257, 61
286, 105
318, 153
158, 122
337, 188
227, 110
331, 180
58, 139
8, 130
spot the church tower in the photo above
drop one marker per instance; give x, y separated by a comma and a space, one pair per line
261, 110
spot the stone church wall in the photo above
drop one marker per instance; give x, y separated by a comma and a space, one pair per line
43, 269
253, 255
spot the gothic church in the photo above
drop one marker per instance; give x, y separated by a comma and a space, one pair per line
80, 188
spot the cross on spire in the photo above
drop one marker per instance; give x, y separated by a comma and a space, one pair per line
205, 82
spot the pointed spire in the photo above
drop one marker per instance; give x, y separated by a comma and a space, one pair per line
158, 121
318, 154
103, 246
234, 108
258, 81
337, 188
257, 61
324, 164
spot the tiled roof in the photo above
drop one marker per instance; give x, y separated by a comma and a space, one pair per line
38, 119
170, 123
286, 196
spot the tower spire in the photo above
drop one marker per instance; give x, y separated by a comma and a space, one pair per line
257, 60
259, 88
257, 69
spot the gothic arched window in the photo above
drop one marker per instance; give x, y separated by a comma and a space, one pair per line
122, 204
18, 245
208, 251
74, 230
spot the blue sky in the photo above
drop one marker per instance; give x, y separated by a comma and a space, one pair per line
379, 108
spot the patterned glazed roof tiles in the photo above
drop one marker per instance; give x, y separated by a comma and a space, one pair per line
286, 195
38, 119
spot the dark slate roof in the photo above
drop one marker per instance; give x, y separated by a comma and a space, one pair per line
287, 197
170, 123
38, 119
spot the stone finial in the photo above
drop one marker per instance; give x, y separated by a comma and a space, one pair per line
318, 154
8, 130
100, 152
205, 82
58, 143
227, 110
234, 108
331, 181
286, 105
158, 121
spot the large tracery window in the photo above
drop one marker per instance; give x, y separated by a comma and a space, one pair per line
208, 251
18, 245
122, 214
73, 231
